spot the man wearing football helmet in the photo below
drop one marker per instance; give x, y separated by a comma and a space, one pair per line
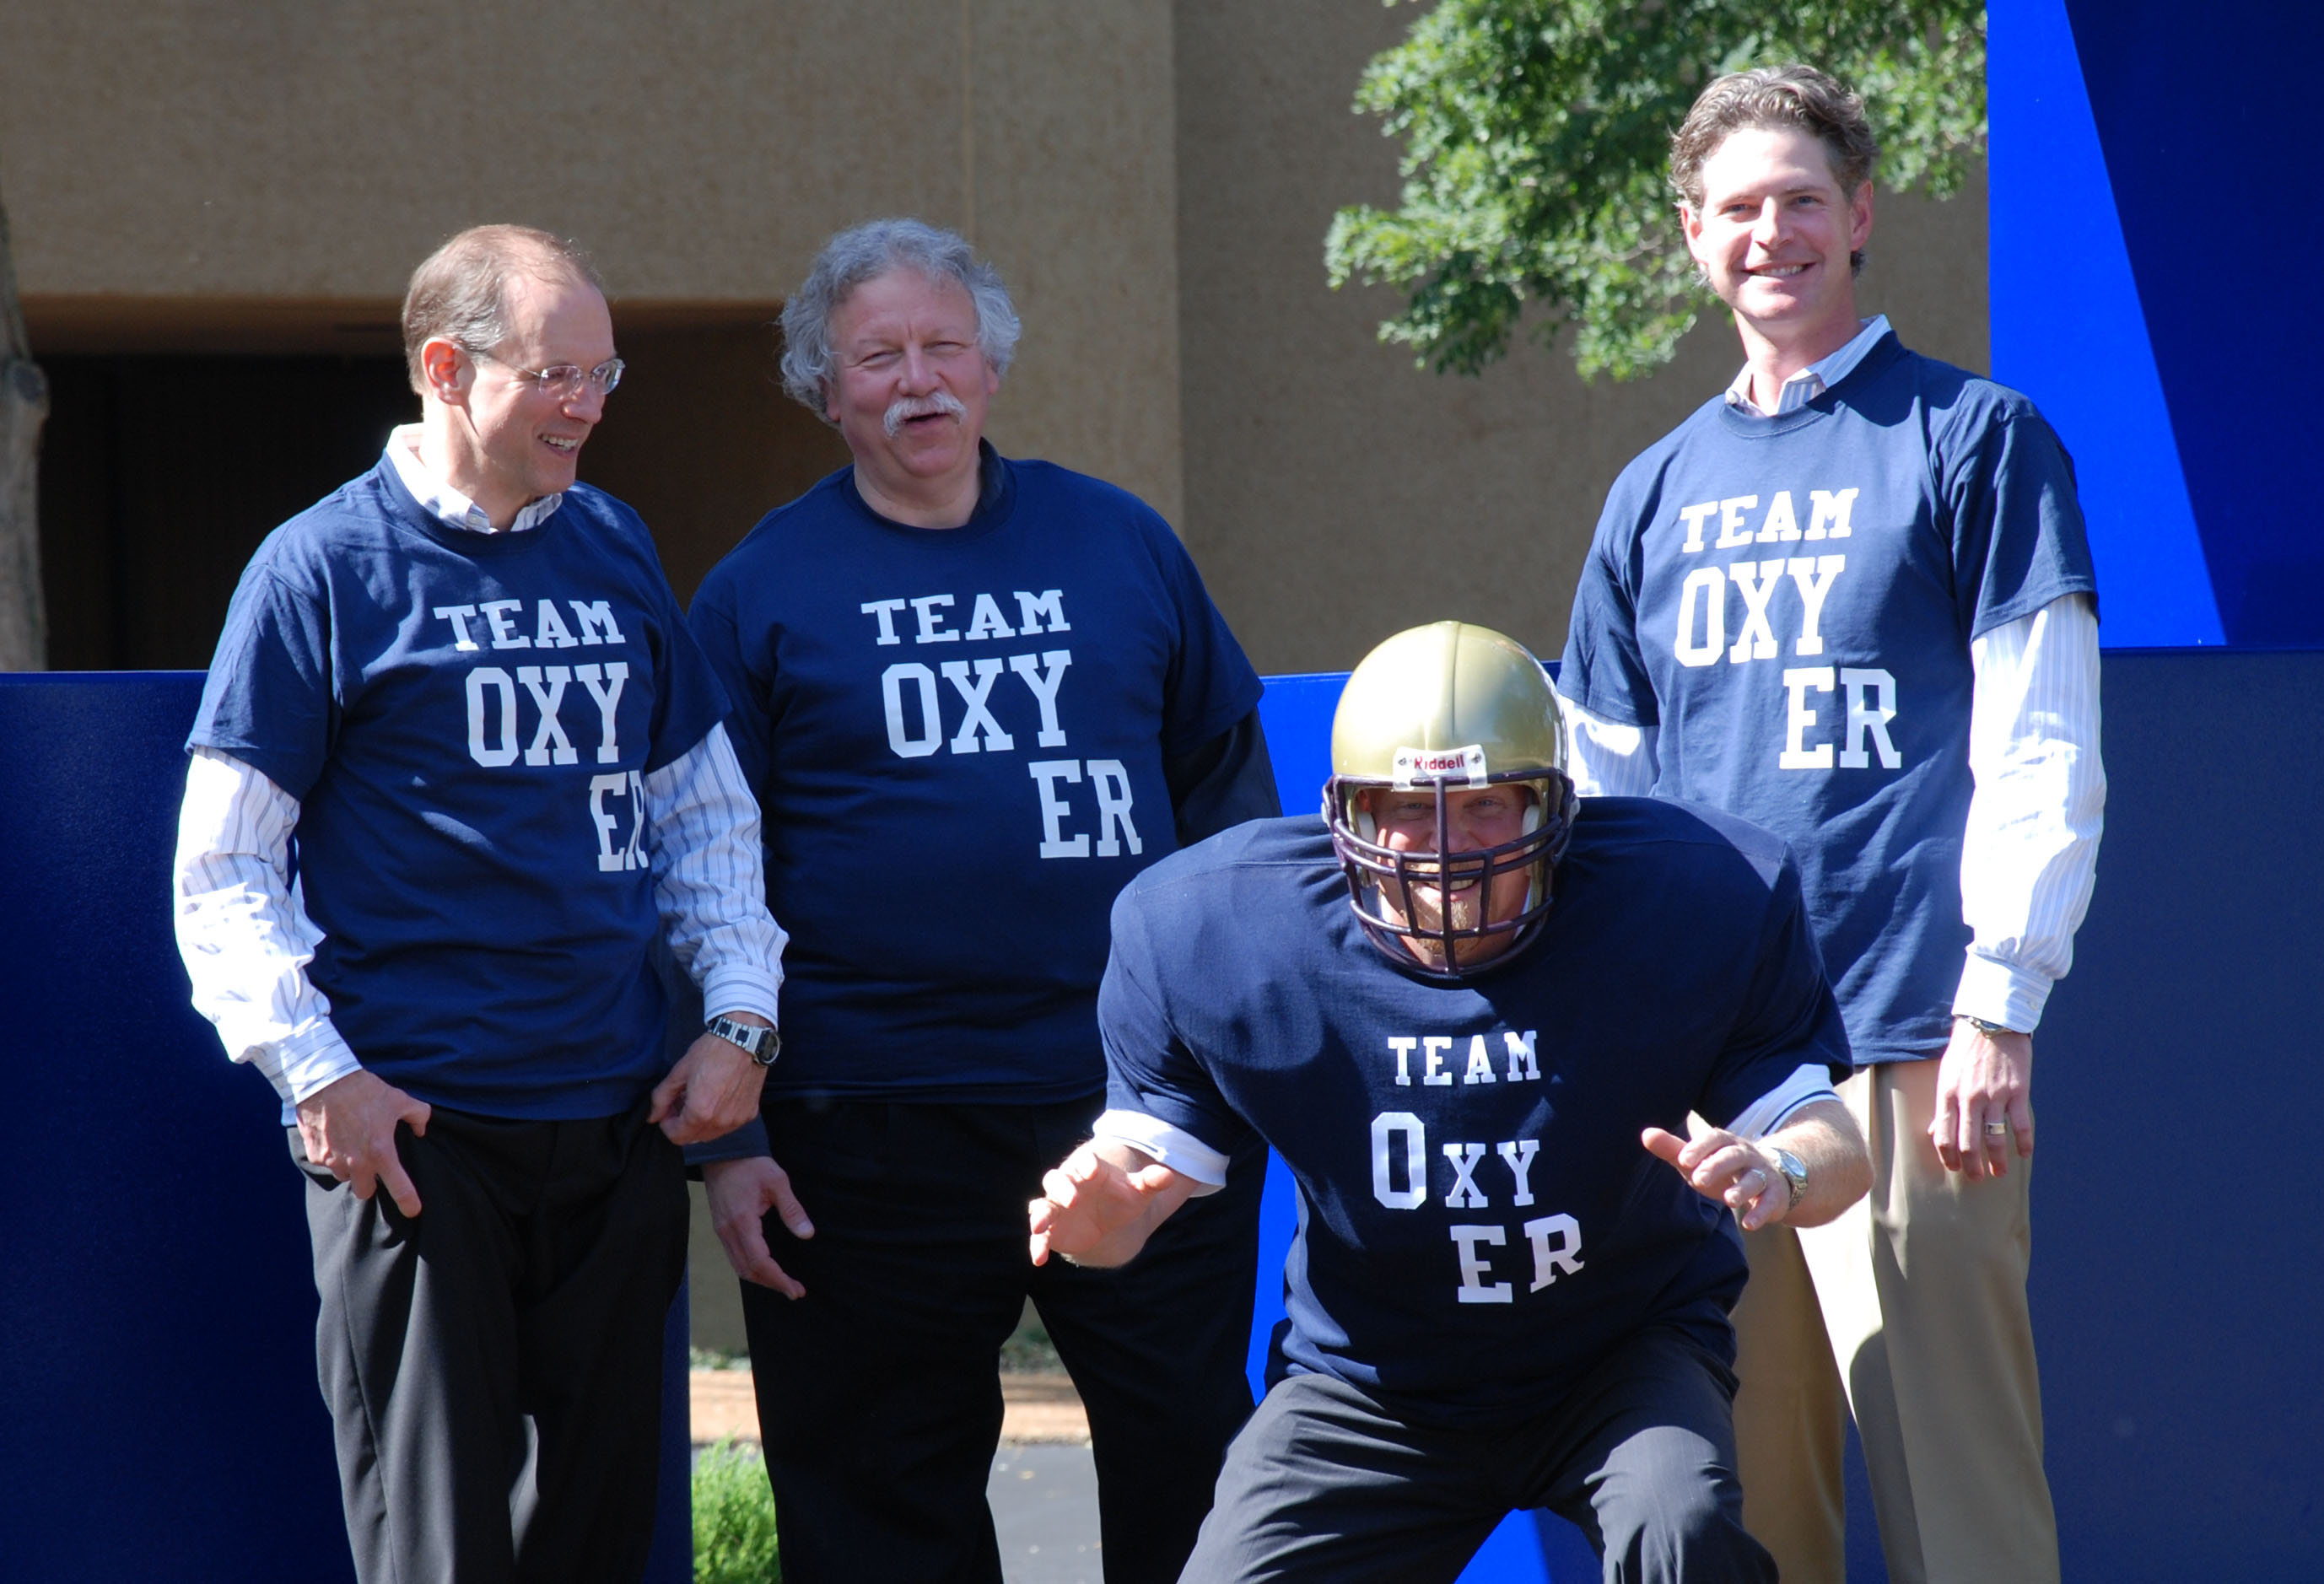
1474, 1016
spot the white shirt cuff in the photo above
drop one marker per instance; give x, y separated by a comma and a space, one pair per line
309, 1059
1805, 1086
1605, 760
1999, 993
1175, 1148
740, 986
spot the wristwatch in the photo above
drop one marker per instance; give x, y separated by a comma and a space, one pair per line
1990, 1030
1795, 1172
763, 1044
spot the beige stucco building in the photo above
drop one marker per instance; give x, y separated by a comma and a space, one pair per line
215, 205
196, 182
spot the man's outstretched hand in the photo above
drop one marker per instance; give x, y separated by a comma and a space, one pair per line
348, 1128
1741, 1172
1100, 1203
1727, 1170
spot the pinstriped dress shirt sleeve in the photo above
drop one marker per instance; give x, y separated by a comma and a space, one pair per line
709, 881
246, 938
2029, 853
2029, 856
242, 930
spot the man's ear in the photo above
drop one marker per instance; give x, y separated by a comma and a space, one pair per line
443, 367
1859, 219
1690, 224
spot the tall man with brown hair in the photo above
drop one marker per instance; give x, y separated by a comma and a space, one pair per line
457, 765
1851, 599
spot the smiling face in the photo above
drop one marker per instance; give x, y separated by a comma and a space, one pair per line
1478, 817
1774, 235
507, 442
908, 391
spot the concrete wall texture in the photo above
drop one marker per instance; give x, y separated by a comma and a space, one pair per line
315, 150
1154, 180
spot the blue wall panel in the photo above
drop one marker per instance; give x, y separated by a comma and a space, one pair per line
2175, 1302
156, 1318
2147, 163
2177, 1294
2070, 330
2207, 123
157, 1308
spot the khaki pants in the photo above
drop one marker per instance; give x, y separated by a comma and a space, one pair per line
1911, 1309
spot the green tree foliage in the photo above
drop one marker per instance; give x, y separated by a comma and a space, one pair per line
1536, 139
733, 1518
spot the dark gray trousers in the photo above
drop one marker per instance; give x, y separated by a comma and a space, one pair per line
1328, 1483
494, 1365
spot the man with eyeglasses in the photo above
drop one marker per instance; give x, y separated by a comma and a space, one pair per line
460, 691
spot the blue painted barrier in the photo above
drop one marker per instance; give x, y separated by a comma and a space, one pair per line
157, 1306
156, 1314
2174, 1300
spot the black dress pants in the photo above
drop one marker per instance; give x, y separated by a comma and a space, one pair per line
1333, 1484
493, 1364
879, 1395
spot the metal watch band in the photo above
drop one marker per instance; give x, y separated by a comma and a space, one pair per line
1990, 1030
763, 1044
1795, 1172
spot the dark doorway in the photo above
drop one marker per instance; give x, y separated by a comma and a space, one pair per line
159, 475
160, 472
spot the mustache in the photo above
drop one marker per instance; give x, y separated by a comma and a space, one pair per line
928, 406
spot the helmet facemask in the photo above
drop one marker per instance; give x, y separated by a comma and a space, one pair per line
1384, 883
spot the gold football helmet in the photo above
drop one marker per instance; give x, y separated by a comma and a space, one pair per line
1446, 706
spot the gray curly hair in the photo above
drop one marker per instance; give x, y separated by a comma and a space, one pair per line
864, 253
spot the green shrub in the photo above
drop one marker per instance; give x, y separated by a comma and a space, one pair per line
733, 1518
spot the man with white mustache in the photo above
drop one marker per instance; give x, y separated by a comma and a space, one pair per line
935, 404
1850, 600
975, 696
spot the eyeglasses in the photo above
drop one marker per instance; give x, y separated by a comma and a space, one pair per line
561, 380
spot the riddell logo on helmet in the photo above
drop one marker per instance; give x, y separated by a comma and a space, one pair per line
1414, 766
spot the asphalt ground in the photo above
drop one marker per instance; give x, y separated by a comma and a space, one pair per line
1043, 1490
1044, 1501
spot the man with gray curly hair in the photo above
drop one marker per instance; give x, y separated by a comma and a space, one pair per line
1851, 599
976, 696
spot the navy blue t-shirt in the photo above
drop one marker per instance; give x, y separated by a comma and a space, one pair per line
467, 721
1790, 603
957, 738
1478, 1220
